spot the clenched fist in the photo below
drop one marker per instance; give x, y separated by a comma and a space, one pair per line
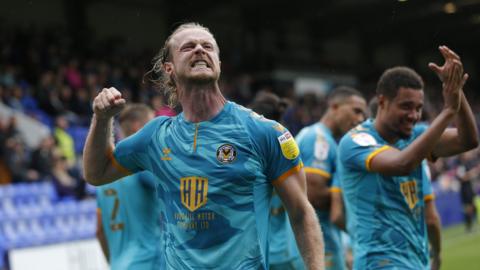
108, 103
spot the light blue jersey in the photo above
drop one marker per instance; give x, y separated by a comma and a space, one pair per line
218, 177
318, 149
131, 222
385, 214
284, 252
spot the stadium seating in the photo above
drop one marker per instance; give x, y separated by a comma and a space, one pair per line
31, 215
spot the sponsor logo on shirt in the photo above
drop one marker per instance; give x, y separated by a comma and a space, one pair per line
193, 192
409, 191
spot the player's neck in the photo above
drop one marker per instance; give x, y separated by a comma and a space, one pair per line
328, 121
386, 133
201, 103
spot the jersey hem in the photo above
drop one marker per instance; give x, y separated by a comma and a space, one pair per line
286, 174
317, 172
429, 197
368, 161
335, 190
117, 165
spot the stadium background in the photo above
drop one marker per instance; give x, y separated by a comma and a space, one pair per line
55, 55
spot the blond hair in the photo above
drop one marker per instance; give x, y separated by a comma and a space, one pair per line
163, 81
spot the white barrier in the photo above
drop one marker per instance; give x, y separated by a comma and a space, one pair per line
78, 255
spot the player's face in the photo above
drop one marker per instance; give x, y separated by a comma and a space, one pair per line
351, 113
195, 57
404, 111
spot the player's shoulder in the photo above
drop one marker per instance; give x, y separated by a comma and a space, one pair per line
159, 121
255, 123
362, 135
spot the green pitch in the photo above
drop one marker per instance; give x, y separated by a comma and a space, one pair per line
461, 250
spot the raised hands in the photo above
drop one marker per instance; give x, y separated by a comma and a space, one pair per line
452, 76
108, 103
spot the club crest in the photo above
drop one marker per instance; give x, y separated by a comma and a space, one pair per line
226, 153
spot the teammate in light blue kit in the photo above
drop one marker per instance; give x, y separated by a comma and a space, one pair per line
283, 250
318, 146
217, 162
380, 165
128, 225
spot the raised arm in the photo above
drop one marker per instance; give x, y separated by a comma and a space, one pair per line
303, 219
98, 165
465, 136
395, 162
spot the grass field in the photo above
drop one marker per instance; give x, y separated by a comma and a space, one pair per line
461, 250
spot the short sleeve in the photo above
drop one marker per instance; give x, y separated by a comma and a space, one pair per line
280, 152
318, 154
356, 150
335, 186
131, 154
426, 182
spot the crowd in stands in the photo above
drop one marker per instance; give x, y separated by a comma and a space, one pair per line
45, 76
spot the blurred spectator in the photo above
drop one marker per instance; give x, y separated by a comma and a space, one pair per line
18, 161
306, 111
7, 131
67, 180
73, 75
64, 140
467, 172
160, 106
42, 157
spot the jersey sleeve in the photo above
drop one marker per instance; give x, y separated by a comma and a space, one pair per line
317, 154
356, 150
335, 186
131, 154
280, 152
426, 182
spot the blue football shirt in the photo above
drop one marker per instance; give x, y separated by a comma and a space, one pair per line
218, 176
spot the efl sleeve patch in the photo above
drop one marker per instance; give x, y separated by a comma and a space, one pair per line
289, 146
364, 139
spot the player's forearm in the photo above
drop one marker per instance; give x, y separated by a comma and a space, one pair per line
415, 153
309, 238
434, 237
96, 151
337, 216
466, 126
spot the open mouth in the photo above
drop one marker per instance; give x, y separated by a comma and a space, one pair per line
199, 64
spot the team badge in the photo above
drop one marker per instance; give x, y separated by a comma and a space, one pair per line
288, 145
364, 139
226, 153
